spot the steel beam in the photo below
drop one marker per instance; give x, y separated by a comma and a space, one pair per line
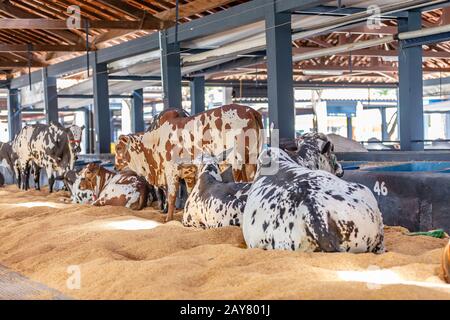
197, 87
137, 112
14, 114
101, 109
170, 71
384, 131
50, 97
410, 87
279, 72
427, 40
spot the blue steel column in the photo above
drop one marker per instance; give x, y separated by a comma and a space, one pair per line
279, 71
410, 87
102, 120
349, 127
14, 115
170, 71
197, 87
50, 97
137, 112
384, 133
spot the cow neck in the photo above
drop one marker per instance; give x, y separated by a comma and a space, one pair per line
137, 161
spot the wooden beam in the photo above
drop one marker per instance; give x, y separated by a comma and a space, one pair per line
57, 24
191, 8
41, 47
20, 64
16, 12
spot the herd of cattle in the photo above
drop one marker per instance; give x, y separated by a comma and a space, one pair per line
289, 198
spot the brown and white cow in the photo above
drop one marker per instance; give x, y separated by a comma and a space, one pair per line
165, 154
104, 187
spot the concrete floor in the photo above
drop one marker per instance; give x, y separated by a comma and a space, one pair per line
14, 286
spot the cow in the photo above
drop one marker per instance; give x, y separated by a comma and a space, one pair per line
43, 146
215, 201
7, 156
446, 262
129, 154
292, 207
170, 149
124, 189
75, 134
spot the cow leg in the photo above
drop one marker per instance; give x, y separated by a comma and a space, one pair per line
37, 177
161, 196
26, 177
18, 177
172, 190
51, 180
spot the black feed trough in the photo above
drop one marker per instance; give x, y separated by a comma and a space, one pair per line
415, 195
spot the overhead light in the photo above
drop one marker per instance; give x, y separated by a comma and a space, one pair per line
391, 59
323, 72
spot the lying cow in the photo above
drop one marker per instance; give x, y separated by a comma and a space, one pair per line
165, 154
105, 187
446, 263
215, 201
43, 146
292, 207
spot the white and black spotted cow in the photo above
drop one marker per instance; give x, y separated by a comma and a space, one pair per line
7, 156
292, 207
43, 146
216, 200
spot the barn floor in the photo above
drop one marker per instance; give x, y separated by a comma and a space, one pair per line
130, 255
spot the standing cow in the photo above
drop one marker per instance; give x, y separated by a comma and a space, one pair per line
7, 156
43, 146
165, 154
292, 207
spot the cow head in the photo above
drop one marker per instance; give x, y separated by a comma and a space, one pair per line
75, 134
316, 152
122, 158
61, 155
89, 177
79, 195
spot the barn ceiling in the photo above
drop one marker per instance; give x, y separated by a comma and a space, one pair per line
115, 21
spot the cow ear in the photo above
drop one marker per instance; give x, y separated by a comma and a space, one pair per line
326, 147
82, 127
124, 139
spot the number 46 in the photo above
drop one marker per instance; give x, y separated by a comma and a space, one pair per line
380, 188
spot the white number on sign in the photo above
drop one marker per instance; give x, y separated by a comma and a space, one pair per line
380, 188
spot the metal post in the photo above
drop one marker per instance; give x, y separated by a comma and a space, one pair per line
87, 129
349, 127
384, 133
197, 87
14, 115
279, 71
410, 87
50, 97
102, 120
170, 71
137, 112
